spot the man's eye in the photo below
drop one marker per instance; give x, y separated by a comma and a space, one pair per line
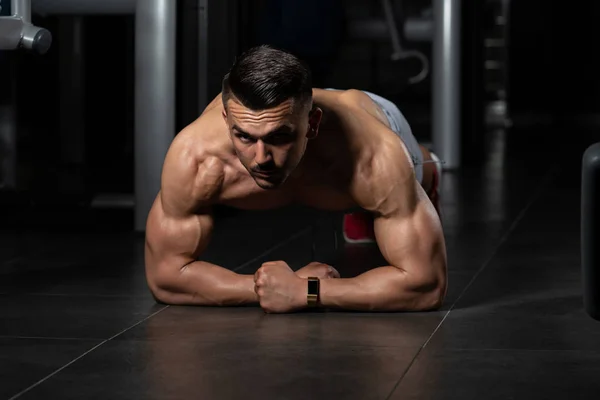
281, 138
244, 138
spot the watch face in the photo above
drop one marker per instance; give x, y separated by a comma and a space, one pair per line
313, 286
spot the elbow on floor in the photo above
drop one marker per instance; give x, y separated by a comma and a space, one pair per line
160, 295
423, 300
431, 300
168, 291
161, 292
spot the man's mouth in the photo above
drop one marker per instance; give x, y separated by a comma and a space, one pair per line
265, 175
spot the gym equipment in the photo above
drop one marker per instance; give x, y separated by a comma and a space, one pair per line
155, 44
399, 52
84, 7
155, 61
17, 31
413, 29
590, 230
447, 81
441, 25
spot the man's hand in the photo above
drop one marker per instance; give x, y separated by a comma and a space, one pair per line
279, 289
318, 270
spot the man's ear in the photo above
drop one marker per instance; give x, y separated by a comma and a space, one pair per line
314, 120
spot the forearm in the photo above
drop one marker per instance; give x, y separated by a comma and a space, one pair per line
206, 284
381, 289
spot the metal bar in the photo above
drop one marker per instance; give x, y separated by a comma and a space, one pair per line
418, 29
155, 39
390, 20
446, 81
17, 31
10, 32
83, 7
590, 230
415, 29
22, 8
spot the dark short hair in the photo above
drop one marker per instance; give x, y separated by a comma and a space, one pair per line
263, 77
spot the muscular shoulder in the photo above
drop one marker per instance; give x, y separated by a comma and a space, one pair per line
385, 181
353, 96
193, 172
360, 103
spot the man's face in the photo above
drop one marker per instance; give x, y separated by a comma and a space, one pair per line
270, 143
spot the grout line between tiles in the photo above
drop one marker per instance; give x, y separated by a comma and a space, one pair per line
269, 250
239, 267
84, 354
534, 197
547, 180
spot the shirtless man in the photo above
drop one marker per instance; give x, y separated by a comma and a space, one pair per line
271, 140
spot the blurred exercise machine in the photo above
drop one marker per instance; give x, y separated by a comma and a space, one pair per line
440, 25
156, 27
17, 31
590, 230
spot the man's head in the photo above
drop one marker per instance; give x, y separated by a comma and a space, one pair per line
267, 98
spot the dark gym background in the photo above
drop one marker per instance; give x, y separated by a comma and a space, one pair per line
77, 319
551, 73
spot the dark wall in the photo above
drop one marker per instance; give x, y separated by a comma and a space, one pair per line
553, 57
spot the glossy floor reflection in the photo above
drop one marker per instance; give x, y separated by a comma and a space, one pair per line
77, 320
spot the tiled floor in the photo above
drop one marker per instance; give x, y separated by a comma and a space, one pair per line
77, 320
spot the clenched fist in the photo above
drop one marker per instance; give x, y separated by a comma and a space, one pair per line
318, 270
279, 289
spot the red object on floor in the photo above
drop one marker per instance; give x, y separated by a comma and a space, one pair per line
358, 227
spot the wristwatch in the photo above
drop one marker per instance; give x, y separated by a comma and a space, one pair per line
313, 292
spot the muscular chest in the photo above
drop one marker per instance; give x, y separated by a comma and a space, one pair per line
320, 189
325, 188
242, 192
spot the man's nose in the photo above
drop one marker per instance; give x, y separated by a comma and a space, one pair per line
263, 155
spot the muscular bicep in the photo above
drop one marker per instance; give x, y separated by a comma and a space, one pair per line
180, 222
411, 239
407, 227
173, 241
